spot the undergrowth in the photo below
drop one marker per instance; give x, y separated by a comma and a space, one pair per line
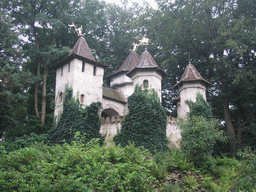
91, 167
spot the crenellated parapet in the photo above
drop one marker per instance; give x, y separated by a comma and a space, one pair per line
111, 125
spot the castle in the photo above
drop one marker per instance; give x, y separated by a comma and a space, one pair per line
85, 75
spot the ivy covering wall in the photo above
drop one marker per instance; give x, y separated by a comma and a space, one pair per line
74, 118
145, 124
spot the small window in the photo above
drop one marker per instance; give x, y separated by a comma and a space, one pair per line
61, 72
145, 84
68, 66
60, 97
94, 70
83, 64
82, 98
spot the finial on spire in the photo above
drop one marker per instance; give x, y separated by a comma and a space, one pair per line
79, 31
189, 60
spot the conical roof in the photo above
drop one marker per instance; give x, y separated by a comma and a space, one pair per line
130, 63
82, 49
146, 61
82, 52
191, 74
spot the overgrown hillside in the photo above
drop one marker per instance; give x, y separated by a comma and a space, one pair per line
79, 167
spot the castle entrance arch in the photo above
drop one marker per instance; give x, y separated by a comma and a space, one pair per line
109, 112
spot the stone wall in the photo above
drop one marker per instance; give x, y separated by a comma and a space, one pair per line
110, 126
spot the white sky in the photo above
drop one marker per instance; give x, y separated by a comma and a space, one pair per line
151, 2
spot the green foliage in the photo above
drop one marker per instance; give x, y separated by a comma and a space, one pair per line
76, 119
145, 124
75, 168
24, 141
247, 174
199, 136
200, 107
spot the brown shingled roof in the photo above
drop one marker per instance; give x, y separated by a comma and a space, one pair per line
81, 51
146, 61
112, 94
191, 74
130, 63
81, 48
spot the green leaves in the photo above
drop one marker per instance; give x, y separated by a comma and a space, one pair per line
145, 124
74, 118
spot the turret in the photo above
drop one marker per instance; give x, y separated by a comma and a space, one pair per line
147, 73
81, 72
190, 84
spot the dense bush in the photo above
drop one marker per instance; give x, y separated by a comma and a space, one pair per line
199, 132
74, 118
247, 173
24, 141
200, 107
199, 136
89, 167
145, 124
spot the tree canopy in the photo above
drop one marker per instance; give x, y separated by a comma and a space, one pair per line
217, 36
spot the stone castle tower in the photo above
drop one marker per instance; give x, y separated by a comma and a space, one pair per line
190, 84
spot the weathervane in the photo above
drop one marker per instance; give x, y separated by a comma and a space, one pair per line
79, 31
143, 41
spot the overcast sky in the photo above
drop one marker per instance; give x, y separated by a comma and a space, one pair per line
151, 2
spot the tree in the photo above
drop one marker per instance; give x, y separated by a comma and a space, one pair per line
14, 80
146, 122
40, 22
214, 34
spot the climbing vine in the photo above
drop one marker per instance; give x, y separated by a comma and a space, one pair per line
74, 118
145, 124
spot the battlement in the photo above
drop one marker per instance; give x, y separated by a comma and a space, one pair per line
119, 119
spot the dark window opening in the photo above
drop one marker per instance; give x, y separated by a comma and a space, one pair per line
145, 84
60, 97
69, 67
82, 98
94, 70
83, 64
61, 73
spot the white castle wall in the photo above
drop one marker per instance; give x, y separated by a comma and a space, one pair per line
110, 126
153, 77
188, 91
85, 83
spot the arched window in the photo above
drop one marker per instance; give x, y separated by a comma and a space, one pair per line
82, 98
145, 84
60, 97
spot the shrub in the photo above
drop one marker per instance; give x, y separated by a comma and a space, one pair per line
247, 174
74, 118
199, 136
145, 124
24, 141
200, 107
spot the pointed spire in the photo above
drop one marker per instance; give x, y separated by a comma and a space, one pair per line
191, 74
146, 61
82, 49
130, 62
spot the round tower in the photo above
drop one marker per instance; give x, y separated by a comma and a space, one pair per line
190, 85
147, 73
